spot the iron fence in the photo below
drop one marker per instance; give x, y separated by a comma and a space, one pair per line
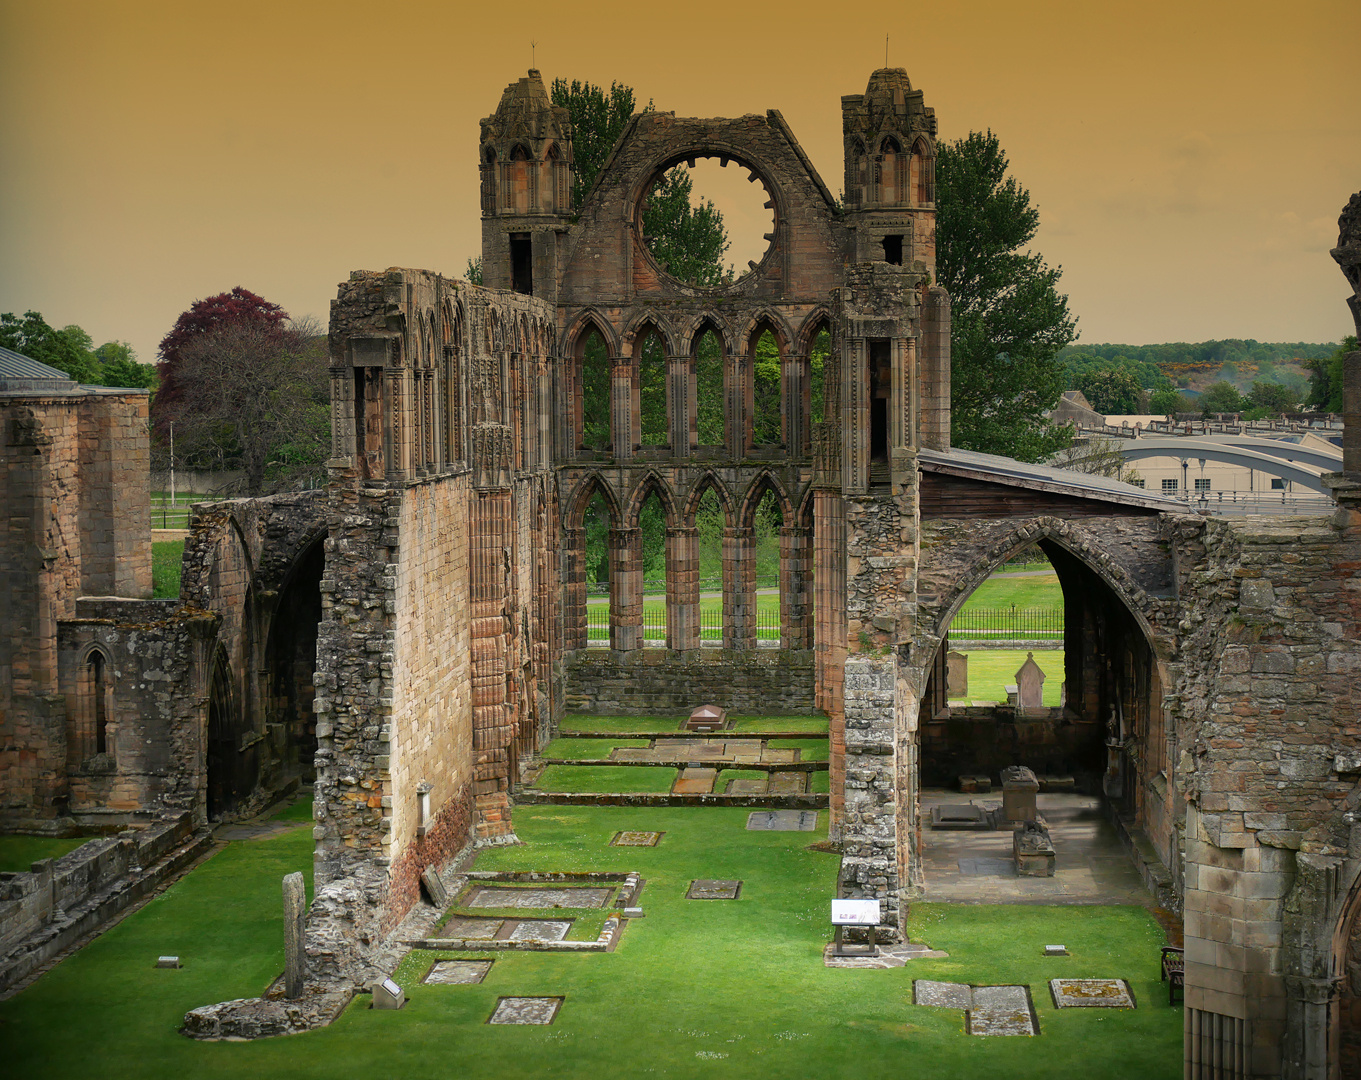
657, 586
654, 626
1008, 622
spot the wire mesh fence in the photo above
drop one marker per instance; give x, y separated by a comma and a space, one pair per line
1006, 623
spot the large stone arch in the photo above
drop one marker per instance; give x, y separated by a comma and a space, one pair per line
708, 480
650, 482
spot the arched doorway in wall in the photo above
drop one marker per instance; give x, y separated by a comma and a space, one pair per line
1094, 736
291, 657
233, 756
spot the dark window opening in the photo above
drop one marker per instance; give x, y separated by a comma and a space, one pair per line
521, 263
881, 380
368, 421
893, 250
101, 713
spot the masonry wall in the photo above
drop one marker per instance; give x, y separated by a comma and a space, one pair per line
432, 685
658, 682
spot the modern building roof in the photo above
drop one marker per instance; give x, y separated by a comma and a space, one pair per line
1003, 470
19, 372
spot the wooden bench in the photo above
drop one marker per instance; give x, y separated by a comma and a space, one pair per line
1174, 972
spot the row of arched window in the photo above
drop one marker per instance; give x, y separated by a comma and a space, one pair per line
520, 183
888, 176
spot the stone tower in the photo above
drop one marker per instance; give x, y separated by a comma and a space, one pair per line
527, 171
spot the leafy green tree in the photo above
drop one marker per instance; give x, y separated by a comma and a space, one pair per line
766, 430
1221, 397
1325, 378
473, 274
69, 349
1008, 319
1111, 390
1169, 402
118, 366
1272, 397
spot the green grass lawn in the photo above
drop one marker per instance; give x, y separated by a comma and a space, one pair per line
746, 722
809, 749
607, 724
726, 776
992, 670
300, 809
166, 559
606, 778
586, 748
695, 989
19, 853
1024, 592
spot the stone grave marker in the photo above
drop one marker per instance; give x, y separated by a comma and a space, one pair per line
470, 929
434, 887
1033, 851
749, 786
525, 1010
541, 930
960, 816
570, 897
167, 961
1091, 994
1001, 1010
695, 782
387, 995
788, 783
707, 889
295, 923
942, 995
1019, 788
458, 972
633, 838
956, 674
707, 718
1030, 684
783, 820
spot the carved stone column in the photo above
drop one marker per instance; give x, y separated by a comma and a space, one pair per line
739, 567
679, 391
626, 589
682, 588
574, 589
621, 408
796, 587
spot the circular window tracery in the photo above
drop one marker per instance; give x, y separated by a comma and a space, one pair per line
674, 242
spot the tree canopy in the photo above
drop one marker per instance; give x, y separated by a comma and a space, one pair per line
1111, 390
72, 350
1008, 319
1325, 378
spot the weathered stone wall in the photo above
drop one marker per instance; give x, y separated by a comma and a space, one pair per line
655, 681
1268, 702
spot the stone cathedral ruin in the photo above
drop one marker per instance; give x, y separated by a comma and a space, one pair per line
409, 637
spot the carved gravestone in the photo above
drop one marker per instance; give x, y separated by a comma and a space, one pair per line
956, 674
707, 718
1019, 788
1033, 851
1030, 684
295, 918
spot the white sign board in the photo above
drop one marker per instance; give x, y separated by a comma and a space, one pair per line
392, 988
855, 912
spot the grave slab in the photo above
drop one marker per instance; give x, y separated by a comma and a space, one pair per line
890, 956
540, 930
983, 867
473, 929
458, 972
1091, 994
695, 782
490, 896
780, 756
747, 787
634, 838
942, 995
788, 783
525, 1010
743, 746
783, 820
1001, 1010
709, 889
960, 816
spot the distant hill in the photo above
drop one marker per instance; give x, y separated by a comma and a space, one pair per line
1184, 363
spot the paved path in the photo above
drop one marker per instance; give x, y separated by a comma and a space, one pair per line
967, 867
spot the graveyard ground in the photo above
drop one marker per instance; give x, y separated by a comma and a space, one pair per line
695, 988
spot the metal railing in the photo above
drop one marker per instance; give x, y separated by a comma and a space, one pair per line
1008, 623
1273, 501
657, 586
654, 627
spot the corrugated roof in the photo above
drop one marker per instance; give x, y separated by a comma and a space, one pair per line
1004, 470
16, 367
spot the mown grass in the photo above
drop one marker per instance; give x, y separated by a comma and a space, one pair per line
991, 671
1023, 592
167, 556
727, 776
584, 749
809, 749
606, 778
695, 989
606, 724
748, 722
19, 853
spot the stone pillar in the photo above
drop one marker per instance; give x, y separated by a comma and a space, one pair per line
682, 589
492, 727
1308, 1014
574, 628
622, 432
855, 417
796, 587
680, 390
829, 574
739, 588
626, 589
397, 431
295, 922
796, 402
737, 389
935, 370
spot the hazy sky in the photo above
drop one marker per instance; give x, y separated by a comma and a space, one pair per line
1189, 159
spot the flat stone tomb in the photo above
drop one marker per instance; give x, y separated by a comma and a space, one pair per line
493, 896
960, 816
474, 929
541, 930
635, 839
1091, 994
989, 1010
457, 972
525, 1010
706, 889
694, 781
783, 820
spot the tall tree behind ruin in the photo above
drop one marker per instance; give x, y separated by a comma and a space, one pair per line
1008, 319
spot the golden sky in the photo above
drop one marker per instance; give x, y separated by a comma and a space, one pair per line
1189, 159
